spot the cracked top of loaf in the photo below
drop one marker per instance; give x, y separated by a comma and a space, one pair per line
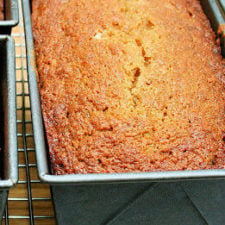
129, 86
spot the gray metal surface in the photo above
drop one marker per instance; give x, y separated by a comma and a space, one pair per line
8, 139
208, 198
3, 197
11, 14
175, 203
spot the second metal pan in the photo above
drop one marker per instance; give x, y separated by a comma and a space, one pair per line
11, 16
8, 137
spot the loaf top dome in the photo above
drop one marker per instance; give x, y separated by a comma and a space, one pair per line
129, 86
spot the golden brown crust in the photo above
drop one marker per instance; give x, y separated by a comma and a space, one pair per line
129, 85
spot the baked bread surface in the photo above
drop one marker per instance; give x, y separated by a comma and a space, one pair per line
129, 86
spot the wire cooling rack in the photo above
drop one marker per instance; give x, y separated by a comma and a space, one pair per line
30, 201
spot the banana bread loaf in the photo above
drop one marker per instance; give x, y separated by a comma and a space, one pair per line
129, 86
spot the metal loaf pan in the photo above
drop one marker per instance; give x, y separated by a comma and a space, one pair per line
98, 199
8, 137
11, 16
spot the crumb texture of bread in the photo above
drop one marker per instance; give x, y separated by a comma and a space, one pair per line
129, 86
1, 9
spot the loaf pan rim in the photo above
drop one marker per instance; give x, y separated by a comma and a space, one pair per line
11, 138
39, 140
15, 15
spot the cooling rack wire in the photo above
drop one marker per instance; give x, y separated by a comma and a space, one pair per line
30, 201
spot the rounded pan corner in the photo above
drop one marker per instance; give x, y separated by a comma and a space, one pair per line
9, 23
46, 178
13, 21
14, 181
7, 184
